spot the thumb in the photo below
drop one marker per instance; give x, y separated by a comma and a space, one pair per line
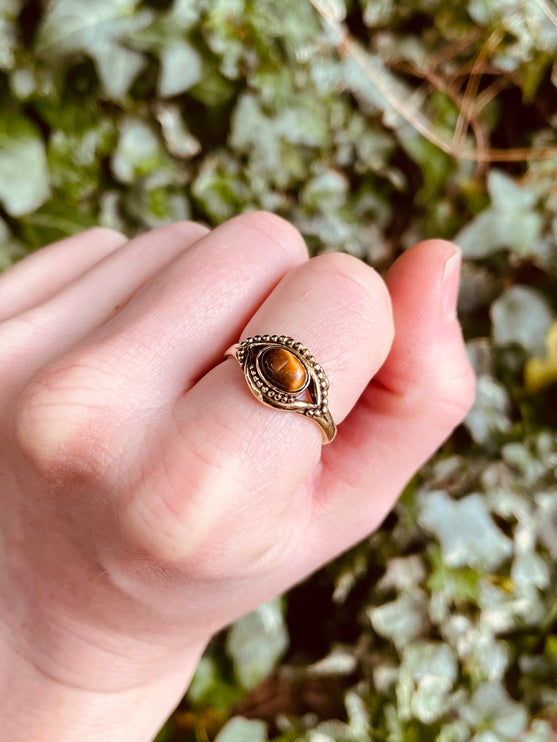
420, 394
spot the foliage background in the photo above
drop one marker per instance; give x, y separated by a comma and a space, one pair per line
370, 125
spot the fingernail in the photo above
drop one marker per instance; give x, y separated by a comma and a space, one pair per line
450, 284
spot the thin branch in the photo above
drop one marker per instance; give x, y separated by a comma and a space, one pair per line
473, 85
347, 46
438, 83
549, 10
491, 92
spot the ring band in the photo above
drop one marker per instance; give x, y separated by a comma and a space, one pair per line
282, 373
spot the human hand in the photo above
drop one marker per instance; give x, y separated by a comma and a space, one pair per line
148, 499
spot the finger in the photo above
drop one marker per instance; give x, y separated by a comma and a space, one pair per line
34, 338
231, 464
179, 325
43, 274
116, 384
421, 393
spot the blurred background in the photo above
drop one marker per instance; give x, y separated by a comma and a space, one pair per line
369, 124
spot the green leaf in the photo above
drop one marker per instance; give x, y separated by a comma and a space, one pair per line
183, 14
139, 151
239, 729
490, 709
427, 674
224, 27
180, 68
456, 584
178, 139
465, 530
210, 689
489, 416
55, 220
378, 12
8, 33
220, 187
101, 30
401, 620
10, 249
256, 643
546, 524
326, 191
24, 182
117, 67
74, 158
523, 316
510, 222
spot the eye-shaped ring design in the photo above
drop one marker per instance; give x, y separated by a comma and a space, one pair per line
280, 371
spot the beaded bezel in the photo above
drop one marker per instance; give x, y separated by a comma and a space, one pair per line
317, 384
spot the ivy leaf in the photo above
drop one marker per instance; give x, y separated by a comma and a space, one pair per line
183, 14
401, 620
489, 416
490, 709
547, 521
427, 674
179, 141
180, 68
476, 645
8, 33
24, 183
220, 187
378, 13
465, 530
10, 249
139, 152
100, 30
326, 191
165, 36
510, 222
210, 688
224, 30
541, 372
456, 584
521, 315
239, 729
256, 642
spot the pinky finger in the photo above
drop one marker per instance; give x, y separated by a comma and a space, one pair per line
43, 274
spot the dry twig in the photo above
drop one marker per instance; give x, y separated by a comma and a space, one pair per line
348, 46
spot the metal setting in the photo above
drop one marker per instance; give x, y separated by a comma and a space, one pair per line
249, 352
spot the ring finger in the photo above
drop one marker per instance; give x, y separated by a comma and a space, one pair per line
231, 465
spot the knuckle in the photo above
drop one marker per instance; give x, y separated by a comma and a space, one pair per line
176, 509
185, 231
455, 393
362, 278
16, 334
62, 423
199, 514
107, 235
358, 285
276, 230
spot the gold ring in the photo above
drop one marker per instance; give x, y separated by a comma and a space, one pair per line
282, 373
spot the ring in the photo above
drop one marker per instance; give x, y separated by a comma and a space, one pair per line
282, 373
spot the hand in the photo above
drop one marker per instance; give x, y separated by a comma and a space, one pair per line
148, 499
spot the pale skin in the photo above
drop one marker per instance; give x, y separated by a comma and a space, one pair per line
147, 498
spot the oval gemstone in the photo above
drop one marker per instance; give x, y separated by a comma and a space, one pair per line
283, 370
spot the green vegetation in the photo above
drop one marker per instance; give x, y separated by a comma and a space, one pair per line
370, 126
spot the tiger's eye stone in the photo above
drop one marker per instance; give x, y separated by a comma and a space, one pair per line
283, 369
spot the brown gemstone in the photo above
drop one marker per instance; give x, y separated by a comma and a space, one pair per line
283, 370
